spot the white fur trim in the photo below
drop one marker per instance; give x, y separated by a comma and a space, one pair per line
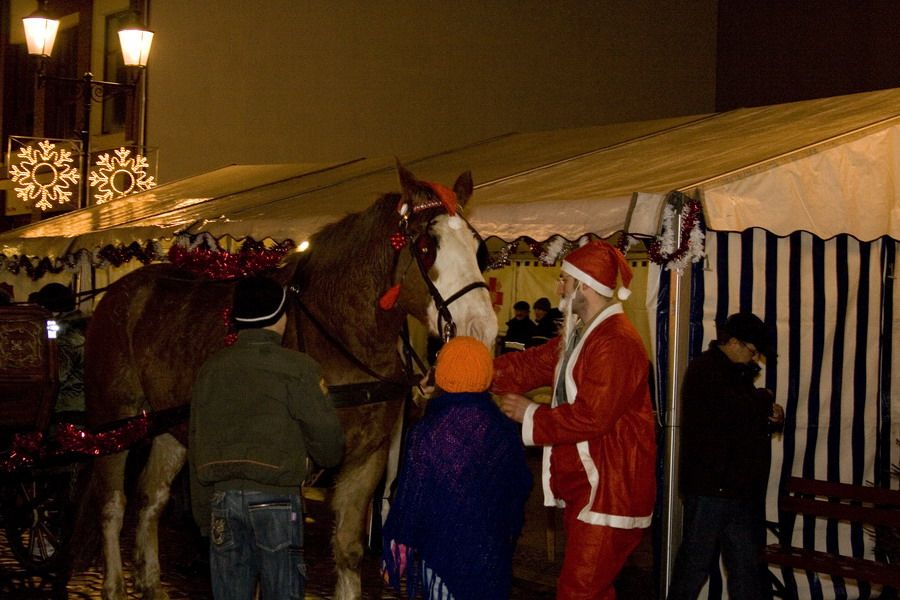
623, 293
617, 521
528, 425
583, 277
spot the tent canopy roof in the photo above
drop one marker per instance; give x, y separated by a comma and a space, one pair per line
824, 166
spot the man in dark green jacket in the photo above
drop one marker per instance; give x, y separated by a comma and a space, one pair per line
257, 413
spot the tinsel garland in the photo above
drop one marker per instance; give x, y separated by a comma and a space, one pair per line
200, 254
70, 439
110, 254
663, 251
208, 260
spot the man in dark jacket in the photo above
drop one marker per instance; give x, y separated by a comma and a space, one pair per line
520, 328
547, 322
725, 462
257, 412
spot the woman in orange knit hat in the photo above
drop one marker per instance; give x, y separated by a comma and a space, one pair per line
460, 500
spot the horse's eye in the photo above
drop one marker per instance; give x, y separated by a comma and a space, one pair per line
482, 256
426, 249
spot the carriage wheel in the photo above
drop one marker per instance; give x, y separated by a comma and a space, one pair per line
38, 521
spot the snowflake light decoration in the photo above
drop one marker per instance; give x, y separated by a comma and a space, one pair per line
45, 175
120, 175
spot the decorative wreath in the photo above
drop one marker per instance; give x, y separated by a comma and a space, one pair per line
663, 250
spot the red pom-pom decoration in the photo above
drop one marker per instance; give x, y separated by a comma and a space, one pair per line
389, 298
398, 241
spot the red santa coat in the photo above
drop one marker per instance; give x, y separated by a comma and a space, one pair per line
601, 445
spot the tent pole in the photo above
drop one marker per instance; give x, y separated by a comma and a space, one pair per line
679, 328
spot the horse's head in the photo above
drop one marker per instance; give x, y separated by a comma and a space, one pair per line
449, 295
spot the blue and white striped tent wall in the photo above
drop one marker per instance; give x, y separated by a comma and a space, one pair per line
830, 305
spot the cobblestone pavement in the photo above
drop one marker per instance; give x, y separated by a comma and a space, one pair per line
185, 572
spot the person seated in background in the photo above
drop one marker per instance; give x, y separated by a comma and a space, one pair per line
60, 301
520, 328
547, 322
6, 294
460, 501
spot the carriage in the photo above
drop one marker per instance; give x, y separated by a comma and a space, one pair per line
39, 490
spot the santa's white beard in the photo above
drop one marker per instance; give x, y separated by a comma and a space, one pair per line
570, 319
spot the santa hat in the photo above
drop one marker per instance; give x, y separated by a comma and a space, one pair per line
597, 265
464, 364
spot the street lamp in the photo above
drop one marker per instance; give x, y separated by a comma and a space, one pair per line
135, 40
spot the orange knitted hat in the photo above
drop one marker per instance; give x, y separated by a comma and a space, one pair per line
464, 364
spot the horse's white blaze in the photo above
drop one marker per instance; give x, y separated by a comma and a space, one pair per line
456, 266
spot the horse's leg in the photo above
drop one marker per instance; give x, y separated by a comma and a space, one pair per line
352, 495
167, 456
110, 471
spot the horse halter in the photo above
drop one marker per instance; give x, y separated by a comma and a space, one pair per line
423, 248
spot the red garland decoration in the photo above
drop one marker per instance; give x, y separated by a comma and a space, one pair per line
214, 263
690, 221
231, 336
28, 448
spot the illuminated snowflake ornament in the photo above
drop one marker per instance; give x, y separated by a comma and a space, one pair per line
120, 175
45, 174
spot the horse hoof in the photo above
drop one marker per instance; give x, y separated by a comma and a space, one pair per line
115, 591
349, 586
154, 593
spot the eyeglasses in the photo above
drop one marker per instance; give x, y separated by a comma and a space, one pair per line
748, 346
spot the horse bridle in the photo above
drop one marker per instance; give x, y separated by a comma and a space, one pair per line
445, 325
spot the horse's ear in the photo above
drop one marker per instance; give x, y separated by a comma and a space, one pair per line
408, 182
463, 188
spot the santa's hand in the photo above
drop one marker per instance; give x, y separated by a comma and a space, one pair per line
514, 406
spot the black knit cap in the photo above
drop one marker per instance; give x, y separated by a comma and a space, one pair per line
749, 328
258, 302
55, 297
542, 304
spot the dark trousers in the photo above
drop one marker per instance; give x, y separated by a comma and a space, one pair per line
711, 524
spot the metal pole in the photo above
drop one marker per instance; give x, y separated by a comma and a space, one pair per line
678, 345
87, 92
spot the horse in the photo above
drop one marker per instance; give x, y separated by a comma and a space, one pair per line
410, 253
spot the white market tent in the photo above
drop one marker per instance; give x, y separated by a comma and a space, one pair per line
800, 202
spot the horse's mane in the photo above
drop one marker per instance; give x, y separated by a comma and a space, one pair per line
350, 260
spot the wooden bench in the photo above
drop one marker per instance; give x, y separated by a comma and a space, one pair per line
843, 502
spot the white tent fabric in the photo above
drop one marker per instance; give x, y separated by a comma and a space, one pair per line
541, 184
294, 201
847, 188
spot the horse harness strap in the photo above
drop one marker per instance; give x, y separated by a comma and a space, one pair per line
344, 350
351, 395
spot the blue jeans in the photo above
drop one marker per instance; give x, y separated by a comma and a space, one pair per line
711, 524
256, 536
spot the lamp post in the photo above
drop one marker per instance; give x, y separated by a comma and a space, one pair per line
135, 40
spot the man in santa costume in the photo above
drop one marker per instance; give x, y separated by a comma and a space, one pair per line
598, 434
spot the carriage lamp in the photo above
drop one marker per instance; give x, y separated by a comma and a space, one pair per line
135, 41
